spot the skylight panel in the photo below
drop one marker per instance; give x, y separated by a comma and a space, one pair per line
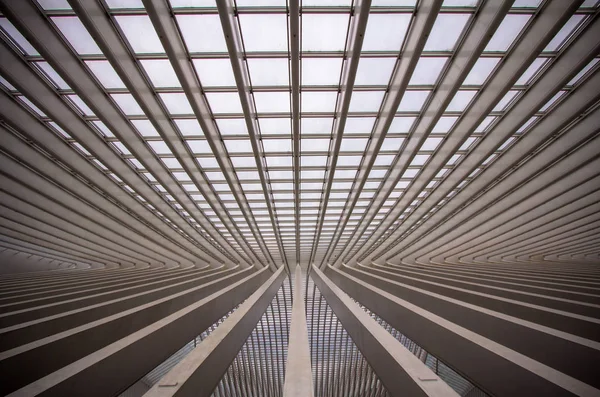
140, 33
419, 159
30, 104
279, 161
412, 101
444, 124
6, 84
106, 75
160, 72
401, 124
248, 175
315, 161
243, 162
583, 71
384, 160
366, 101
467, 143
272, 102
52, 75
208, 162
264, 32
312, 174
431, 144
353, 144
189, 127
128, 104
374, 71
321, 71
54, 4
460, 3
104, 130
81, 105
124, 4
232, 126
526, 3
507, 32
275, 126
480, 71
564, 33
391, 144
159, 147
324, 32
316, 125
224, 102
171, 163
260, 3
385, 32
239, 146
319, 101
359, 125
202, 33
121, 148
314, 145
446, 31
77, 35
59, 129
199, 146
485, 124
17, 37
269, 72
506, 99
277, 145
352, 161
461, 100
531, 71
176, 103
552, 101
215, 72
145, 127
427, 70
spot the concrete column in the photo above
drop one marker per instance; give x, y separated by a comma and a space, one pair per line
298, 372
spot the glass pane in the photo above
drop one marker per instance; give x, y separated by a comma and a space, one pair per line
106, 75
481, 71
564, 33
583, 71
531, 71
385, 32
366, 101
140, 34
460, 101
81, 105
324, 32
224, 102
52, 75
374, 71
77, 35
359, 125
353, 144
30, 104
232, 126
17, 37
160, 72
391, 144
314, 145
401, 124
54, 4
506, 99
199, 146
124, 3
316, 125
427, 71
189, 127
239, 146
272, 102
269, 72
271, 126
202, 33
318, 101
277, 145
413, 101
321, 71
6, 84
159, 147
176, 103
431, 144
446, 31
507, 32
214, 72
145, 127
264, 32
444, 124
128, 104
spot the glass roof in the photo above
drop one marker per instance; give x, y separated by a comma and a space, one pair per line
211, 114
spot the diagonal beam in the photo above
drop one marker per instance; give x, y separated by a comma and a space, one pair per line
233, 38
104, 33
542, 29
166, 27
417, 37
354, 42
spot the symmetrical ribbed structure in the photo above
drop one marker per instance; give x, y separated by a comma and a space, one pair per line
299, 198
